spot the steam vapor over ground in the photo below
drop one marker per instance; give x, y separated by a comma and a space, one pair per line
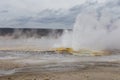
96, 27
29, 38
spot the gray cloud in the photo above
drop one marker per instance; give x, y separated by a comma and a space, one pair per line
24, 14
46, 18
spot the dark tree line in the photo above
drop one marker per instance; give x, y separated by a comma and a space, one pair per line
30, 32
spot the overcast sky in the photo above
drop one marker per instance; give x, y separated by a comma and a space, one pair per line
38, 5
40, 13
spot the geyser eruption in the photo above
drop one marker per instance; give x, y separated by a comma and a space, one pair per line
97, 27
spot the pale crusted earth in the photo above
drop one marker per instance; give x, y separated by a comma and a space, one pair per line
99, 73
53, 66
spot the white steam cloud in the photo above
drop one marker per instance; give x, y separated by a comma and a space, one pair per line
97, 26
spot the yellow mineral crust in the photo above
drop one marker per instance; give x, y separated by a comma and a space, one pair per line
92, 52
83, 51
62, 49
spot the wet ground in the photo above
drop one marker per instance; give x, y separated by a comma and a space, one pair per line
35, 61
